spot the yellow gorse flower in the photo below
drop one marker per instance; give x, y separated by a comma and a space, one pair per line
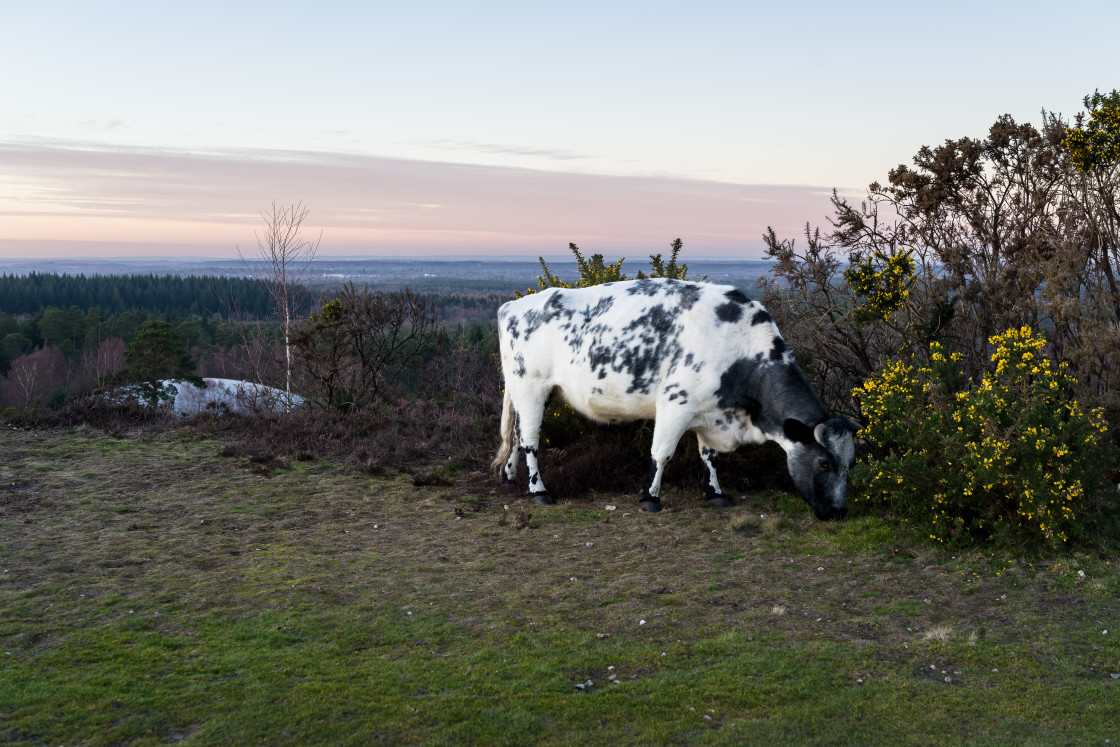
1005, 454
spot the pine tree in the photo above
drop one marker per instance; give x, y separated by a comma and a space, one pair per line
155, 355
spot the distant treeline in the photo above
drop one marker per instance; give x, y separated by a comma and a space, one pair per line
192, 295
76, 331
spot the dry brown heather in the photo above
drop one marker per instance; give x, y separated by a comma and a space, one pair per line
515, 601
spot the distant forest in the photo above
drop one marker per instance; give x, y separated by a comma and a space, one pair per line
192, 295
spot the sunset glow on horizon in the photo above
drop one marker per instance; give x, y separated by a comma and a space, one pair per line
493, 128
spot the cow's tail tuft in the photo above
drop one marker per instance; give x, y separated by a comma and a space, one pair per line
508, 428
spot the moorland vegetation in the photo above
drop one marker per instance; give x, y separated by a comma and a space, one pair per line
965, 314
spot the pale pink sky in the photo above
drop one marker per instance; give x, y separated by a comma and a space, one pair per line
68, 199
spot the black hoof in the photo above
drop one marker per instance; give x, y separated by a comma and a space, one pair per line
720, 501
650, 506
543, 498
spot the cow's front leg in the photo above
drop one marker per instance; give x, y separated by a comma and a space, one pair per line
667, 432
711, 484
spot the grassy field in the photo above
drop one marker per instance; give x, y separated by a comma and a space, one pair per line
158, 586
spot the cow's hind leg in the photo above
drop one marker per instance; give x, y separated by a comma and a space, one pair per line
530, 413
711, 484
667, 432
509, 471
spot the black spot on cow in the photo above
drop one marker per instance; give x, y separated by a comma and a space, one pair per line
778, 349
762, 316
737, 296
511, 327
641, 348
598, 309
689, 294
643, 288
520, 370
657, 322
729, 312
739, 385
582, 323
682, 293
552, 310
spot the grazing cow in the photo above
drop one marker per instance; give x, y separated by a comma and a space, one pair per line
692, 357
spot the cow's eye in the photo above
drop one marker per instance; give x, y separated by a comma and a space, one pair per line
824, 464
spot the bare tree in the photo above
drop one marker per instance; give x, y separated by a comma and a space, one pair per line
281, 263
100, 364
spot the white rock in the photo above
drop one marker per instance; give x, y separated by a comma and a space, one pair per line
233, 395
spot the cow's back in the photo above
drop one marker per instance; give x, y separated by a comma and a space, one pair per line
616, 349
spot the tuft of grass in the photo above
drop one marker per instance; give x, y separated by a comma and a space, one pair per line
938, 633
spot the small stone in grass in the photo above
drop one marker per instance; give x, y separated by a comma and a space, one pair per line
602, 635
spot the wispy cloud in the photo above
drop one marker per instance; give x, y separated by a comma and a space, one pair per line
84, 192
554, 154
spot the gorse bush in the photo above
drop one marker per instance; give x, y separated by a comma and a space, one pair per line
1094, 141
595, 270
882, 283
1012, 458
1020, 226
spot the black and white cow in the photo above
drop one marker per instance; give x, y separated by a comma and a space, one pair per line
691, 357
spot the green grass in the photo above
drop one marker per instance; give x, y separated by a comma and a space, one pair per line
313, 604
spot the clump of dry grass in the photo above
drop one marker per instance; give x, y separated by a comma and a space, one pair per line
938, 633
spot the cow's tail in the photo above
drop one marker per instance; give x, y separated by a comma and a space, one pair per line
508, 431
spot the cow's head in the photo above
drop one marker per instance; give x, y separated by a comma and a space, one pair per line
819, 459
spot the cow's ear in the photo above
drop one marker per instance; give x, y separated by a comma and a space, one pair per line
797, 431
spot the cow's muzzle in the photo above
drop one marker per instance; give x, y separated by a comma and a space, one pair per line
831, 513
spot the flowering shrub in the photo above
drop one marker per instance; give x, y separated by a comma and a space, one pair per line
882, 283
596, 270
1011, 458
1095, 145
